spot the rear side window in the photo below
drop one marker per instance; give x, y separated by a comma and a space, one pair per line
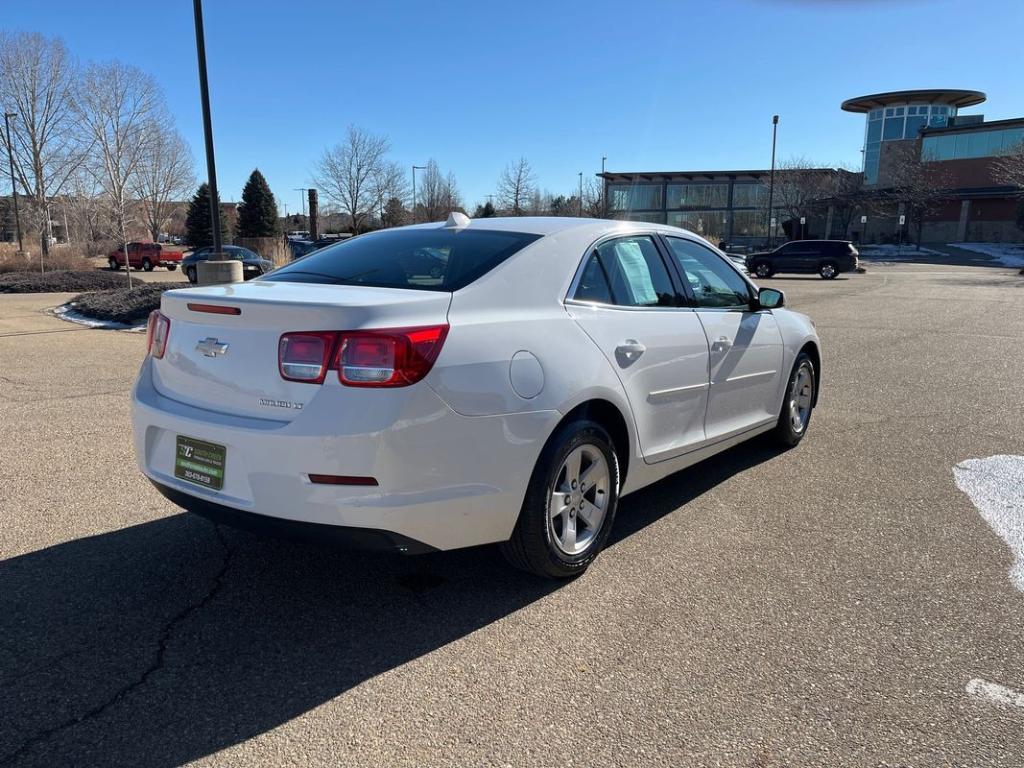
419, 259
627, 272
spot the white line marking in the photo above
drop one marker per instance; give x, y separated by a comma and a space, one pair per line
995, 693
996, 488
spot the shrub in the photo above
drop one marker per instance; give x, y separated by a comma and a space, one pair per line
59, 281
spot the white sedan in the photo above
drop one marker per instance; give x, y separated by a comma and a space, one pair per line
551, 366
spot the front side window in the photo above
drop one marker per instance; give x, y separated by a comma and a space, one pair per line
714, 283
627, 272
419, 259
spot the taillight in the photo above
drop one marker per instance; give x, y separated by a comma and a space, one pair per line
392, 357
157, 330
304, 356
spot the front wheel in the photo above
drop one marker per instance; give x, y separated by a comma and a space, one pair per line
799, 402
147, 265
570, 503
190, 273
828, 271
171, 267
112, 265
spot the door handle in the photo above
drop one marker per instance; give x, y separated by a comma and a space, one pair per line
630, 349
721, 344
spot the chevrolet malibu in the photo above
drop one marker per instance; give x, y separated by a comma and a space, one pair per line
540, 370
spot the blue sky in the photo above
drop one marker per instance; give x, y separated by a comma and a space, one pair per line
652, 85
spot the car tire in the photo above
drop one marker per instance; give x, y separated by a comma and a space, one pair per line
798, 404
171, 267
557, 546
147, 265
112, 265
763, 270
828, 270
190, 273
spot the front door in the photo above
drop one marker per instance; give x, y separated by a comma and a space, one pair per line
626, 302
745, 366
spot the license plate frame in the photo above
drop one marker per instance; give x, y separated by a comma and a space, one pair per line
200, 462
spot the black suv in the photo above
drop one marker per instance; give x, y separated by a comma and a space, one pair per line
825, 257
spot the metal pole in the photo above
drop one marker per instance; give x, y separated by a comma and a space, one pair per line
302, 199
581, 194
204, 95
14, 188
604, 190
771, 183
414, 169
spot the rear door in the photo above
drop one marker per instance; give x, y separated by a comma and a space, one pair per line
745, 346
626, 301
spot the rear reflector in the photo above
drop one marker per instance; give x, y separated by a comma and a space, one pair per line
342, 480
215, 309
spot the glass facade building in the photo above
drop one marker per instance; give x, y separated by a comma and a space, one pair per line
988, 142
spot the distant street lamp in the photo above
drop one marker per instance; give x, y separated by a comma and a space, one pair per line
771, 185
302, 199
14, 189
414, 169
604, 187
581, 195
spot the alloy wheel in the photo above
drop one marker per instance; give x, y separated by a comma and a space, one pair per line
800, 397
579, 499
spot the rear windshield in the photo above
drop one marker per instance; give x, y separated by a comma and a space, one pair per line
421, 259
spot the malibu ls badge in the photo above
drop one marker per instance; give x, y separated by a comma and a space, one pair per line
212, 347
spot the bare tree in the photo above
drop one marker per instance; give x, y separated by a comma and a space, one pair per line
347, 173
801, 188
37, 77
165, 176
1009, 168
119, 105
919, 186
389, 185
515, 187
438, 195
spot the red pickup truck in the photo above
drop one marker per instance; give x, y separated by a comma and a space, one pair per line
145, 256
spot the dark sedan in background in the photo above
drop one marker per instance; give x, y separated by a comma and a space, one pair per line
253, 265
827, 258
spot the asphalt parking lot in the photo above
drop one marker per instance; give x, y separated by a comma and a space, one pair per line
829, 605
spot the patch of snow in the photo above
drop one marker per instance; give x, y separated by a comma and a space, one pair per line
995, 693
996, 488
890, 251
1010, 254
69, 313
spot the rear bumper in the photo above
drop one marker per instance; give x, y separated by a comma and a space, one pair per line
444, 480
278, 527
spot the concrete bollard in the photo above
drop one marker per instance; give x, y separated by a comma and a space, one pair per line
217, 272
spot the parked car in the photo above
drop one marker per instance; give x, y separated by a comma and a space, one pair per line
512, 400
300, 248
253, 265
145, 256
739, 261
827, 258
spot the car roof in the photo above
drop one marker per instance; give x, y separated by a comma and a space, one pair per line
550, 225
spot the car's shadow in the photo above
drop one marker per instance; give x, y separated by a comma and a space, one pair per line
167, 641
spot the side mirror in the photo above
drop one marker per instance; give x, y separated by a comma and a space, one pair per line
770, 298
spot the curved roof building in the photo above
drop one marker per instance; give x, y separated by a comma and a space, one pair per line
900, 115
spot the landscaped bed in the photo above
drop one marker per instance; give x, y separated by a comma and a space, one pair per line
59, 281
122, 305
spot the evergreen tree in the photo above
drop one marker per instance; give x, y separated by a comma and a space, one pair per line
485, 211
257, 214
395, 214
198, 227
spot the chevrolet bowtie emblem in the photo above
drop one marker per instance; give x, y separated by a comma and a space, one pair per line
211, 347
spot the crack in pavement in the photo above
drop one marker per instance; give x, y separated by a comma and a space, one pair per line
157, 664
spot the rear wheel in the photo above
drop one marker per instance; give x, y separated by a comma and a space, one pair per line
171, 267
798, 403
763, 270
190, 273
828, 271
570, 503
147, 265
112, 264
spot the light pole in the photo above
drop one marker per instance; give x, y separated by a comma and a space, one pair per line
204, 96
604, 193
771, 183
14, 188
302, 199
581, 194
414, 169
